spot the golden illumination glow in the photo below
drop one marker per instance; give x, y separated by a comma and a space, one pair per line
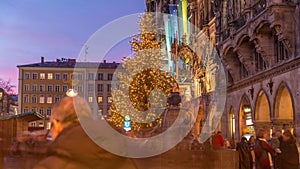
185, 20
146, 50
71, 93
247, 109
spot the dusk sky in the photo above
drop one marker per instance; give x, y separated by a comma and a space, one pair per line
55, 29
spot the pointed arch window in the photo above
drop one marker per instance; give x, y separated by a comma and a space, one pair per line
211, 8
243, 71
229, 78
260, 64
281, 53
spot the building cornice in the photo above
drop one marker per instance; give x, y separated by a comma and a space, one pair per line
281, 69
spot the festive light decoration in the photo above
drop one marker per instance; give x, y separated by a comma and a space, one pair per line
144, 83
147, 85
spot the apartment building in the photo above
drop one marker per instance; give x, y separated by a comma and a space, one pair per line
43, 84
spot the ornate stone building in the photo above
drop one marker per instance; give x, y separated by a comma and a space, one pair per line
193, 47
258, 42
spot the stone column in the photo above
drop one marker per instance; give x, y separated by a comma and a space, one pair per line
277, 125
263, 125
297, 16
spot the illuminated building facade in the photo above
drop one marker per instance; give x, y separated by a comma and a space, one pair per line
259, 45
43, 84
258, 42
190, 22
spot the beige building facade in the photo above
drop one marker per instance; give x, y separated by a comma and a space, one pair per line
43, 84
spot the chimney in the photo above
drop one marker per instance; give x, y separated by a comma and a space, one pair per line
104, 61
42, 59
72, 61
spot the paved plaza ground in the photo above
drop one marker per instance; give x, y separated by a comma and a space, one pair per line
175, 159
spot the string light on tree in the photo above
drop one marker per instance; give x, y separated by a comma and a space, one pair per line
148, 87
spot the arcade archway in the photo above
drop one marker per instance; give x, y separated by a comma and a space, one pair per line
262, 112
283, 109
246, 127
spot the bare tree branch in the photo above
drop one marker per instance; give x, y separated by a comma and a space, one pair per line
7, 86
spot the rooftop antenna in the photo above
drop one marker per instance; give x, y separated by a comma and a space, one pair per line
86, 52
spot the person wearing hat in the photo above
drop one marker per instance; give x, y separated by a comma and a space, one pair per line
71, 147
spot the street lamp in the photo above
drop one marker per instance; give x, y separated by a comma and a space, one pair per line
71, 93
247, 109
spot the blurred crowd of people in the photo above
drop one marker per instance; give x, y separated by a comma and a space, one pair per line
261, 152
278, 152
30, 148
70, 147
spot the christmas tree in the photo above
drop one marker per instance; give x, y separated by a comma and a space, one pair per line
142, 87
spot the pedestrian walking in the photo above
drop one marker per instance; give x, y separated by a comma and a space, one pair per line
263, 151
72, 148
279, 135
245, 158
275, 144
277, 161
227, 143
251, 143
289, 156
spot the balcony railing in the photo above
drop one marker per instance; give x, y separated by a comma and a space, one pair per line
259, 7
240, 22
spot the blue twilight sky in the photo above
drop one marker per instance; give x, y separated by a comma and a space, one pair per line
54, 29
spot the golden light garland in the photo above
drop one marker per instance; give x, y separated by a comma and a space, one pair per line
146, 81
146, 50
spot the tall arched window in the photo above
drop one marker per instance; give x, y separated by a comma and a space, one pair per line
281, 53
225, 15
243, 71
241, 7
201, 15
229, 78
260, 64
211, 12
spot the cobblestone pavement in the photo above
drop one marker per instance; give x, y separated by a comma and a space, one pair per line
191, 160
169, 160
19, 163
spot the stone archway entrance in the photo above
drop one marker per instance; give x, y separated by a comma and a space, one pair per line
262, 112
283, 109
246, 127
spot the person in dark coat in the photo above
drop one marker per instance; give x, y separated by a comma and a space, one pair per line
251, 143
245, 158
289, 152
279, 135
174, 98
72, 148
277, 160
275, 144
263, 151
